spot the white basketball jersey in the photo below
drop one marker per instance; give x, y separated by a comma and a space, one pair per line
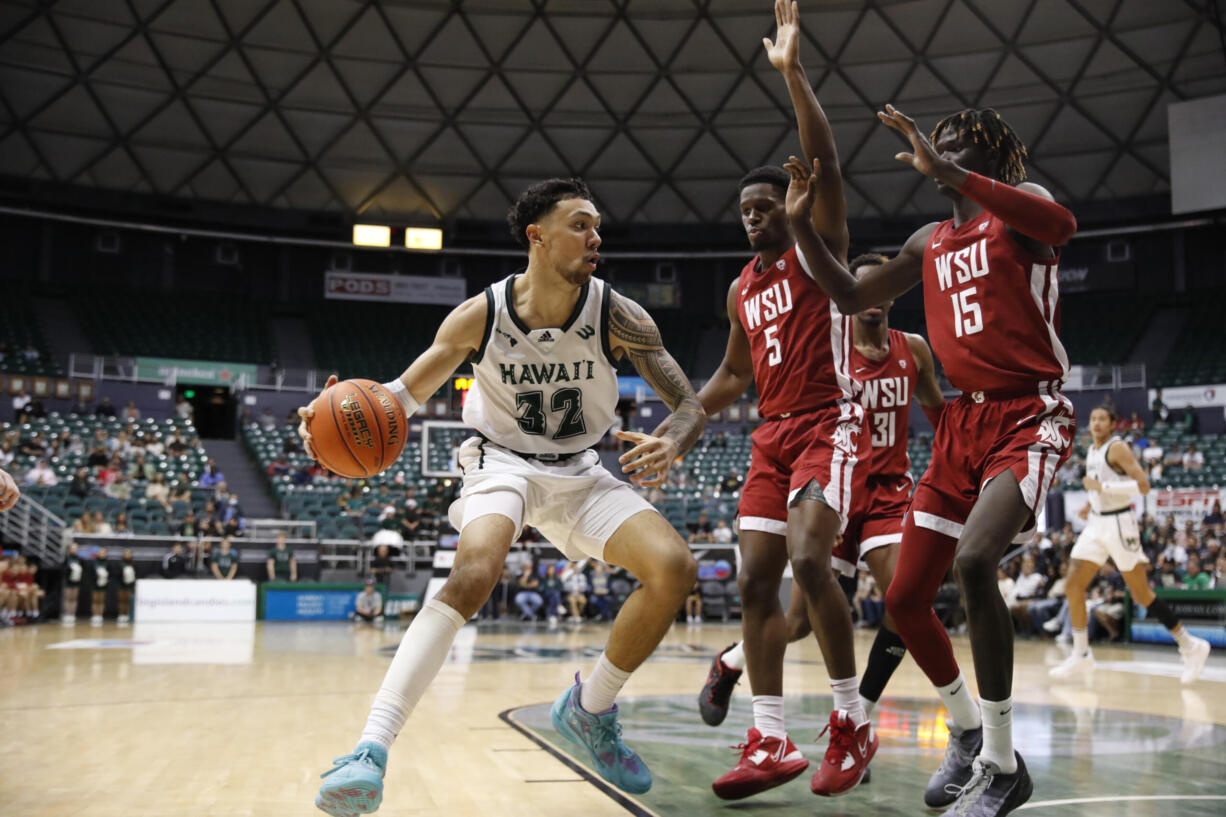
1098, 468
544, 391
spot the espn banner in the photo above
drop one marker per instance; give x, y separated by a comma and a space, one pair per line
405, 289
1181, 503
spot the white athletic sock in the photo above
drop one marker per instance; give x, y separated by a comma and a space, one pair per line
961, 704
598, 692
1081, 641
998, 733
734, 658
1182, 637
847, 698
868, 706
768, 716
418, 658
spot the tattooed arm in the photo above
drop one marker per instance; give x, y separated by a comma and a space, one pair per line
633, 334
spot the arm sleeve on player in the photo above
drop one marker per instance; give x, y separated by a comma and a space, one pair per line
397, 389
933, 413
1028, 214
1124, 487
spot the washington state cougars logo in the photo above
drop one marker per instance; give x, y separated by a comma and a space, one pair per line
842, 438
1052, 432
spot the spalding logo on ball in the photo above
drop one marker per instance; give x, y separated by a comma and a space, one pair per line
358, 429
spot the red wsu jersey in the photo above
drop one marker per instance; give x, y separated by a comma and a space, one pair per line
887, 387
798, 339
992, 309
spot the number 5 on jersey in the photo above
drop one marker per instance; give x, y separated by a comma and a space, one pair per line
772, 345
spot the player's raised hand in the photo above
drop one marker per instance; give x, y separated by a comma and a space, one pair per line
648, 462
923, 156
784, 52
307, 413
9, 492
802, 190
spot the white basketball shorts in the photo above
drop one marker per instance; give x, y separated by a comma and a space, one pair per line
1113, 536
576, 504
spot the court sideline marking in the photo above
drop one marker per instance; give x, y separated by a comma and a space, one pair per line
1121, 799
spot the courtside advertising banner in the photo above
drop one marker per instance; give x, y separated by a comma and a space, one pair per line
182, 600
406, 289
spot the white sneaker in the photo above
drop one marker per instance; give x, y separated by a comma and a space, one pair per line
1052, 625
1064, 638
66, 620
553, 621
1073, 664
122, 621
1194, 658
95, 621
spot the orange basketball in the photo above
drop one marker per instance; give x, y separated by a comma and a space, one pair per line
358, 429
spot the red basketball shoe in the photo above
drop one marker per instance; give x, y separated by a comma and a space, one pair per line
846, 758
764, 764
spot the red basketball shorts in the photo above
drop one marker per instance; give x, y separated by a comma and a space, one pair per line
875, 521
978, 440
788, 452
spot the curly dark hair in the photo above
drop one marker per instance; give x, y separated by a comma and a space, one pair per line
538, 200
867, 259
985, 128
776, 177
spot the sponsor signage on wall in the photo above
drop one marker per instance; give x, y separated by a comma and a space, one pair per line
407, 289
1178, 397
164, 600
208, 372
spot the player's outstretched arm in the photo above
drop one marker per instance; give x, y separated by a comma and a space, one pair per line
634, 334
1121, 458
850, 294
927, 391
1028, 209
829, 216
459, 335
9, 492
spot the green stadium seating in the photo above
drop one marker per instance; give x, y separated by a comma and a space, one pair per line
20, 328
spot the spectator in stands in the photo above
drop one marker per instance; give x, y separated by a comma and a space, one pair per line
19, 406
120, 488
1031, 586
221, 495
211, 477
109, 472
281, 564
527, 597
410, 520
1213, 521
1135, 425
158, 492
183, 408
700, 529
731, 483
189, 526
574, 582
176, 446
121, 527
1219, 572
130, 412
211, 513
75, 447
722, 533
1192, 459
1043, 611
267, 421
35, 410
80, 486
101, 526
693, 604
1158, 409
1194, 578
233, 511
174, 564
41, 475
1004, 583
224, 563
290, 444
1110, 613
1191, 421
84, 525
551, 589
868, 601
35, 446
102, 580
600, 597
1187, 538
280, 467
105, 409
153, 444
381, 564
368, 606
1168, 573
303, 476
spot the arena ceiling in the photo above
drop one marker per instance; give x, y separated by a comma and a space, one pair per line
422, 111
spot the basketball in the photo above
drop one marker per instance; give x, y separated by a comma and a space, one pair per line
358, 429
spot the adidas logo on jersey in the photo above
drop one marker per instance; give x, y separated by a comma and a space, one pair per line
545, 337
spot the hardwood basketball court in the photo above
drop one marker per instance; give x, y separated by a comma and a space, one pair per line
239, 720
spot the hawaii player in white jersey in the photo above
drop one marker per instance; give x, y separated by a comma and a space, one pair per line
543, 346
1113, 477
